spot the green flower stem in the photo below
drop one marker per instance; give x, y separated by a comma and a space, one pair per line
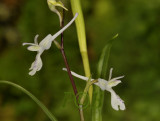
76, 8
43, 107
89, 83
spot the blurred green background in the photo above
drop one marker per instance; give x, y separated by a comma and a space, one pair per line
135, 54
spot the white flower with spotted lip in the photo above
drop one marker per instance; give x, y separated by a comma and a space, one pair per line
116, 102
45, 44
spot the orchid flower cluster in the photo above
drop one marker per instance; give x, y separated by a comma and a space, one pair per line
45, 44
116, 102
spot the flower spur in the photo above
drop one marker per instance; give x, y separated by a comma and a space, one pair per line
116, 102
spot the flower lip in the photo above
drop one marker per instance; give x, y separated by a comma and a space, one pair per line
116, 102
36, 65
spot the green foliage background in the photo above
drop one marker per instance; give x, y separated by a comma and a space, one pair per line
135, 54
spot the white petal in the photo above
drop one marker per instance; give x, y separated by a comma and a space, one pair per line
113, 83
35, 39
116, 78
46, 42
36, 65
29, 44
116, 101
32, 65
110, 73
39, 64
34, 48
33, 69
101, 83
32, 72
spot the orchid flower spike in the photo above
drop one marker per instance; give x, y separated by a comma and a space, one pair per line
116, 102
52, 6
45, 44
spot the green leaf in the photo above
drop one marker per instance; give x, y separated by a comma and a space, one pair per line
46, 111
98, 93
103, 62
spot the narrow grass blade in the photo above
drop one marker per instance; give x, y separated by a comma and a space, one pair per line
46, 111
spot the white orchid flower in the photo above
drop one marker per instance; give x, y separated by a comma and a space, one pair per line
116, 102
45, 44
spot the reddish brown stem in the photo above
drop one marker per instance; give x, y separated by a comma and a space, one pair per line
66, 62
69, 71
